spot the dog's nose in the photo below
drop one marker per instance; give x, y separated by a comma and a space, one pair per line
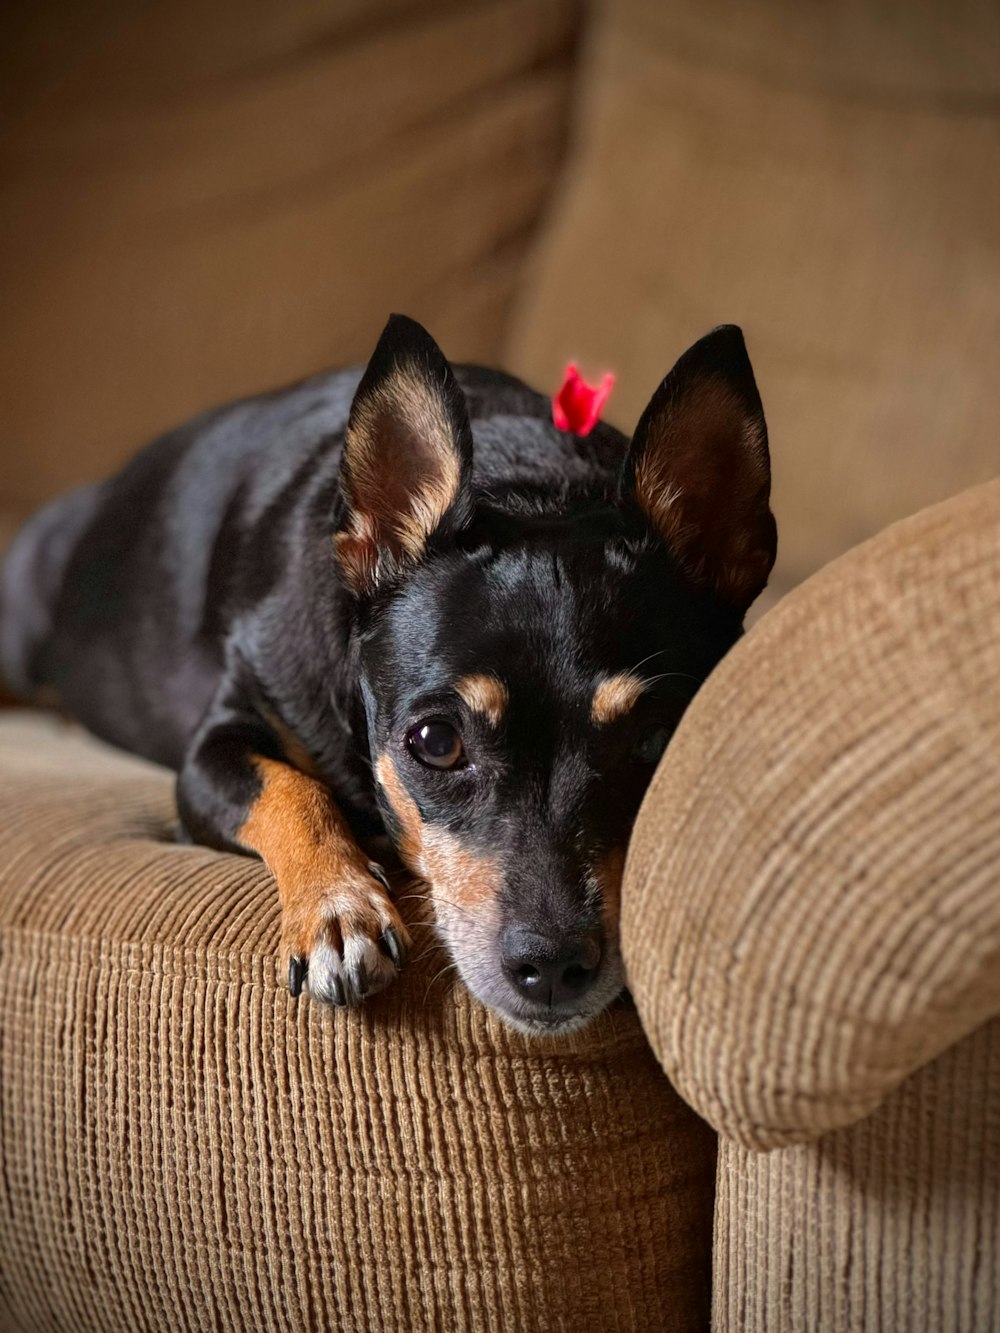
550, 969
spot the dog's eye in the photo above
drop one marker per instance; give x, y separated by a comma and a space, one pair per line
436, 743
649, 749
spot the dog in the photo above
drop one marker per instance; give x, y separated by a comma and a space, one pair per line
402, 600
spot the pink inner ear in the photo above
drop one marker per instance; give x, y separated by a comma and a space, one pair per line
577, 405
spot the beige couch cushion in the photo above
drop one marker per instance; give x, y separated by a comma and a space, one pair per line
185, 1147
201, 201
811, 907
828, 176
892, 1224
812, 932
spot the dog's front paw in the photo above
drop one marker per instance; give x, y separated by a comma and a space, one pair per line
347, 942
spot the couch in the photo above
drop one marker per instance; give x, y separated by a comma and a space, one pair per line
811, 931
198, 203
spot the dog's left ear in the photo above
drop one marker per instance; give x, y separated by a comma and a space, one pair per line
699, 468
406, 472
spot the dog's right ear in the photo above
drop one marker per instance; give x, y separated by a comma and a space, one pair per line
407, 467
699, 468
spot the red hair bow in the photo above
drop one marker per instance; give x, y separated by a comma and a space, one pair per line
577, 405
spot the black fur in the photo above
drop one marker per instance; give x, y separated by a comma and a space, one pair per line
187, 607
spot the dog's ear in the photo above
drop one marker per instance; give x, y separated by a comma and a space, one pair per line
699, 468
407, 466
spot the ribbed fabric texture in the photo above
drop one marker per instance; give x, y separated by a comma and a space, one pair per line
184, 1147
812, 933
811, 908
890, 1226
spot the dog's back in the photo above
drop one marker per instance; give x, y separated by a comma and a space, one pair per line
154, 548
116, 600
31, 579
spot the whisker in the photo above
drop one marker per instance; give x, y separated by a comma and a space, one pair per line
666, 674
457, 907
428, 898
659, 653
670, 675
450, 967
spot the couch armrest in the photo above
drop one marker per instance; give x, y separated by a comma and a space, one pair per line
811, 908
184, 1146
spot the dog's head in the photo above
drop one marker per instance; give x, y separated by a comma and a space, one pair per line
526, 652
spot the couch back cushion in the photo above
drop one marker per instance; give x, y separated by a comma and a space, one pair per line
199, 202
828, 176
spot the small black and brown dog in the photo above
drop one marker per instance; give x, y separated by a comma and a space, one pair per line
404, 600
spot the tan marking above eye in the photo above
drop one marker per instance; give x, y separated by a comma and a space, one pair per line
614, 696
484, 694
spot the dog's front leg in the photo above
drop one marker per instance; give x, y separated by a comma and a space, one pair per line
341, 935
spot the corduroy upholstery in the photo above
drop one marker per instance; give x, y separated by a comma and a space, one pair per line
206, 200
186, 1147
811, 930
811, 923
